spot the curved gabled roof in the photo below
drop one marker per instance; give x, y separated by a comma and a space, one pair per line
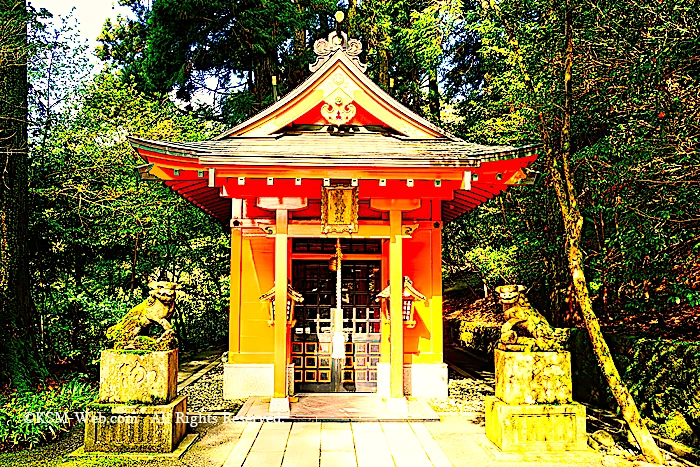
336, 124
338, 77
323, 149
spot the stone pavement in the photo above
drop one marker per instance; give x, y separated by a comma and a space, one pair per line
457, 440
334, 444
345, 407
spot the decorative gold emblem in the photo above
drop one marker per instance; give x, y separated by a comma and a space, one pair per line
338, 79
339, 209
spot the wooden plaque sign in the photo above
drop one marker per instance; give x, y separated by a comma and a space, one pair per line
339, 209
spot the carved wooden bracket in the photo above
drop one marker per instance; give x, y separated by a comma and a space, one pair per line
408, 229
325, 48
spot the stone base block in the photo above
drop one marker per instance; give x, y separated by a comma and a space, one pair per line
280, 406
243, 380
290, 379
131, 378
533, 377
136, 428
383, 379
425, 380
536, 428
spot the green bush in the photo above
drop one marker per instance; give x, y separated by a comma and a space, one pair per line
31, 418
479, 336
661, 374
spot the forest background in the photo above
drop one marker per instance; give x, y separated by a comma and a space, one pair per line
492, 73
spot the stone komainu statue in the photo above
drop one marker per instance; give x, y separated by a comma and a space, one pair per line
536, 333
130, 332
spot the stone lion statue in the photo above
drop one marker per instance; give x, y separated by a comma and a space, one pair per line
130, 332
536, 334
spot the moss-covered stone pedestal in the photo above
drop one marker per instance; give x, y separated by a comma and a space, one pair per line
138, 409
138, 376
135, 428
532, 409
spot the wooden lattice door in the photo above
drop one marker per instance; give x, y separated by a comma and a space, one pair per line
311, 336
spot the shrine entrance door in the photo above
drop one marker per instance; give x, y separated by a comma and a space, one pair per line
311, 336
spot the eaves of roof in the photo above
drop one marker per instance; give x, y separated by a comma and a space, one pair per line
326, 150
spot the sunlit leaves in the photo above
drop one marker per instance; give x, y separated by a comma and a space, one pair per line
635, 135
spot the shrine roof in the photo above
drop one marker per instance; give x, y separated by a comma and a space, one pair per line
338, 67
338, 124
327, 149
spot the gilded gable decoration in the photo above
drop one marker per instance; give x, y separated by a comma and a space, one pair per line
339, 207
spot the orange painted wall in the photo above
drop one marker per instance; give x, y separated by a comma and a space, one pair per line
423, 343
257, 277
421, 262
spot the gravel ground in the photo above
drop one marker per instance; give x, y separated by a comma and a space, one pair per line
206, 394
48, 455
464, 395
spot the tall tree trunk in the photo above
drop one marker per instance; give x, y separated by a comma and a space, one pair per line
434, 95
298, 73
558, 166
133, 263
264, 67
383, 56
17, 331
574, 224
352, 13
562, 180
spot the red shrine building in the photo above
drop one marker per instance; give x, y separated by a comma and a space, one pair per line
336, 196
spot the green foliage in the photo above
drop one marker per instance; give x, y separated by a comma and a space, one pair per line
661, 375
495, 266
99, 235
59, 65
181, 44
186, 46
478, 336
676, 428
406, 41
143, 343
104, 236
516, 238
634, 138
34, 417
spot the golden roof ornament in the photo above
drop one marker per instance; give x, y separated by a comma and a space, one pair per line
337, 40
